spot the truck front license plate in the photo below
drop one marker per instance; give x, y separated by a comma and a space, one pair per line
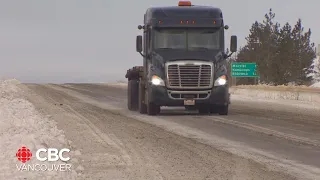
189, 102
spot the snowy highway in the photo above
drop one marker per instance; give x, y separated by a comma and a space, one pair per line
258, 140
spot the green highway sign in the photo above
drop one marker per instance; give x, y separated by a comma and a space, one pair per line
241, 69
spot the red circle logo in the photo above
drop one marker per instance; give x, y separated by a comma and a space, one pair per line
24, 154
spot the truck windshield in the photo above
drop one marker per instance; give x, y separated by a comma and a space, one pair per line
190, 39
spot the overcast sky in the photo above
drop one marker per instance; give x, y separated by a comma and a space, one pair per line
94, 40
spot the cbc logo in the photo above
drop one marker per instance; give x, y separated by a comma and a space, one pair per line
52, 154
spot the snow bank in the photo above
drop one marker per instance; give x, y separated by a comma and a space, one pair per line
316, 85
279, 88
300, 93
310, 95
21, 125
118, 84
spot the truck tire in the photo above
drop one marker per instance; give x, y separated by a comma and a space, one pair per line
214, 109
142, 106
153, 109
133, 95
204, 109
223, 110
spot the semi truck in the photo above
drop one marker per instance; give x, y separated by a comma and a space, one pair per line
184, 61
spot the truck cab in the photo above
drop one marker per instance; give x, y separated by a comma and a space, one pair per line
184, 60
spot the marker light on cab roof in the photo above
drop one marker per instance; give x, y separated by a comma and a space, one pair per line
184, 3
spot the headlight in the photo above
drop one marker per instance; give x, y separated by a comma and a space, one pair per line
222, 80
157, 81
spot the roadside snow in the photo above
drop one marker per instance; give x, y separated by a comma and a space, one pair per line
316, 85
283, 102
21, 125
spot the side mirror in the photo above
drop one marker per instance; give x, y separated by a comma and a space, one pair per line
139, 44
233, 44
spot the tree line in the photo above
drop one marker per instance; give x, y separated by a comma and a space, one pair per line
284, 54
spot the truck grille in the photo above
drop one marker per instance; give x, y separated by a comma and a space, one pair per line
189, 75
189, 94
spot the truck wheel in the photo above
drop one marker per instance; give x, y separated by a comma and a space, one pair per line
204, 109
153, 109
214, 109
141, 105
224, 110
132, 96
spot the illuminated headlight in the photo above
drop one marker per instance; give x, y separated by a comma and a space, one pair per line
157, 81
222, 80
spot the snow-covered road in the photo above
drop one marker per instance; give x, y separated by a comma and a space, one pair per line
22, 125
260, 139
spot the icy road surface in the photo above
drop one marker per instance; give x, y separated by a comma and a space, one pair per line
22, 125
258, 140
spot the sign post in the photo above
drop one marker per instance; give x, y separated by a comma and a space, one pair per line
243, 69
